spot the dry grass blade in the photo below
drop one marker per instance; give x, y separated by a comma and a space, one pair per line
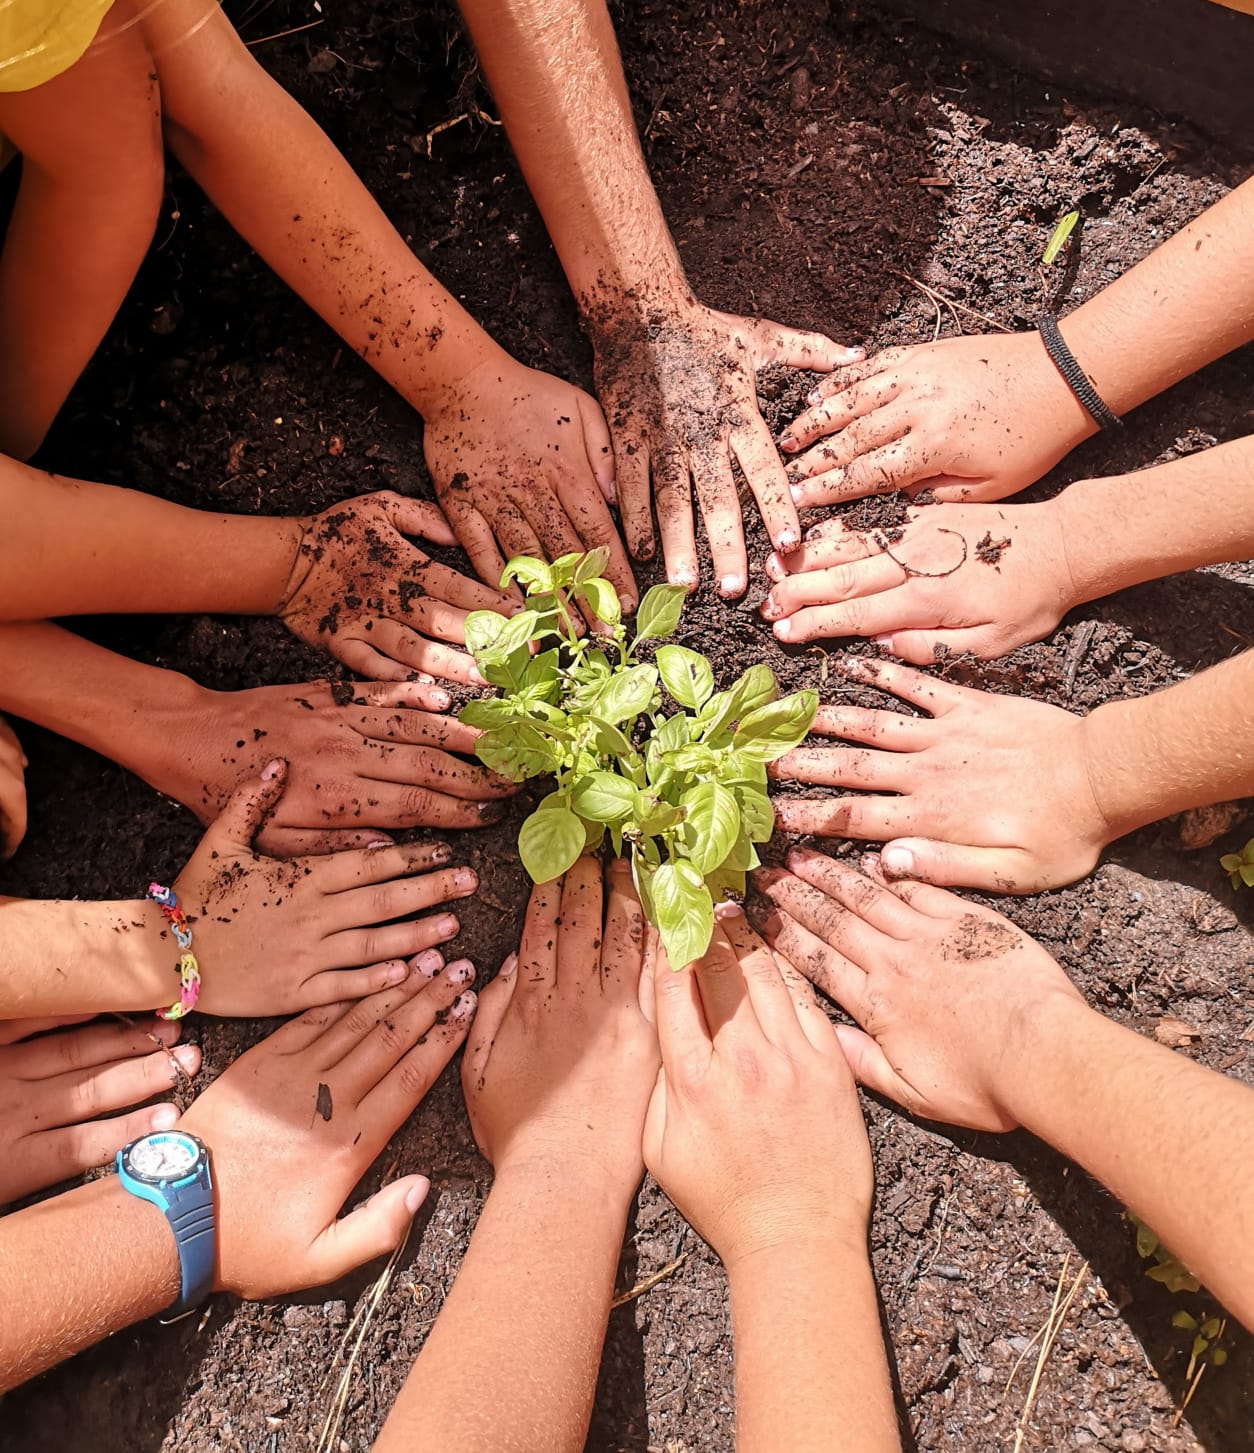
1053, 1325
952, 304
649, 1282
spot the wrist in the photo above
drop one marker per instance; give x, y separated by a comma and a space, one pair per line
818, 1247
1036, 1066
569, 1175
437, 379
1117, 759
792, 1230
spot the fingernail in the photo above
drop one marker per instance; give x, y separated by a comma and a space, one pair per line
466, 879
800, 856
490, 812
428, 963
165, 1117
788, 444
416, 1195
165, 1030
462, 972
897, 861
731, 585
768, 610
397, 973
628, 603
441, 700
795, 491
379, 842
781, 630
868, 862
464, 1007
787, 541
814, 397
477, 676
815, 532
885, 640
510, 966
188, 1056
272, 769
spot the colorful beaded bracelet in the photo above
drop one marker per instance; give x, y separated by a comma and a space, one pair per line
188, 969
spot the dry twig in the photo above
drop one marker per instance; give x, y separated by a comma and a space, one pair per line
649, 1282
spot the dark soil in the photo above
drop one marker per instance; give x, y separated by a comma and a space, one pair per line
809, 164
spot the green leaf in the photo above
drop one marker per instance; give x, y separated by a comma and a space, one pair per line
1184, 1321
592, 564
725, 883
755, 688
642, 871
1219, 1356
510, 673
517, 750
696, 758
654, 815
602, 600
594, 836
626, 694
564, 568
542, 669
604, 797
776, 728
1210, 1328
549, 842
711, 825
686, 675
1146, 1241
1066, 226
491, 638
616, 839
743, 857
671, 734
756, 813
530, 573
685, 912
610, 740
658, 613
487, 711
1246, 873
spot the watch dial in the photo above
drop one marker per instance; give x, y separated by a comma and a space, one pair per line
163, 1157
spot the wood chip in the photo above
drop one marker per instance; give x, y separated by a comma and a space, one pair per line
1175, 1033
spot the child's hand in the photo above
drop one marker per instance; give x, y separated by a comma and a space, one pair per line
560, 1065
293, 1124
947, 991
754, 1129
379, 761
978, 578
12, 791
969, 418
522, 460
53, 1088
989, 791
276, 937
361, 591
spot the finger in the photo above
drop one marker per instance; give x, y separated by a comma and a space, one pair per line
820, 550
931, 901
845, 767
427, 767
838, 408
379, 865
997, 870
858, 893
933, 696
378, 943
494, 1002
474, 533
595, 526
651, 949
401, 805
823, 915
598, 446
631, 485
837, 583
406, 727
829, 970
759, 459
891, 730
460, 591
768, 994
866, 435
13, 1030
545, 515
840, 378
925, 647
81, 1095
43, 1159
330, 1032
580, 926
537, 953
375, 1228
683, 1035
335, 986
510, 524
286, 842
434, 618
247, 807
98, 1044
797, 348
14, 818
399, 1095
895, 466
674, 517
815, 1024
724, 993
724, 525
402, 647
399, 897
417, 517
871, 1067
622, 944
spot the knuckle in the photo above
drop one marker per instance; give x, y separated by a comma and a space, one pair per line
417, 803
359, 1020
415, 1078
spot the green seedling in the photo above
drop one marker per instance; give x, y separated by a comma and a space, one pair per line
1206, 1331
644, 752
1240, 866
1058, 239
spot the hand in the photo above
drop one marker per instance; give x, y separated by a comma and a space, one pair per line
968, 418
12, 791
522, 458
947, 993
276, 937
293, 1124
361, 591
995, 791
754, 1129
379, 760
54, 1085
678, 387
561, 1062
978, 578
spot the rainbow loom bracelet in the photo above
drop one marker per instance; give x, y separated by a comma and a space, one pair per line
188, 968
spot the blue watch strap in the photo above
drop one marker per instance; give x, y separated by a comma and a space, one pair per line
190, 1211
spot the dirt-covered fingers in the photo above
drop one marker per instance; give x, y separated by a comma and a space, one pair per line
673, 496
857, 892
799, 348
580, 926
511, 526
961, 865
389, 702
724, 524
452, 588
829, 917
898, 465
416, 517
891, 730
98, 1043
829, 586
820, 550
724, 993
383, 942
821, 963
769, 995
343, 871
381, 902
44, 1157
588, 512
414, 728
926, 898
623, 939
839, 408
437, 771
845, 375
838, 766
875, 819
537, 953
473, 531
391, 651
938, 698
760, 462
13, 810
872, 431
635, 500
405, 803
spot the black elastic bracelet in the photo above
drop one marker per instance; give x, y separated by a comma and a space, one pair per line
1077, 380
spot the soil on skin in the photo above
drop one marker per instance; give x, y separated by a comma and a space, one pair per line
807, 163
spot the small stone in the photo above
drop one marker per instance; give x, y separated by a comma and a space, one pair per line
1132, 1442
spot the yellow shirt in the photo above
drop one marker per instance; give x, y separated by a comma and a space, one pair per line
41, 38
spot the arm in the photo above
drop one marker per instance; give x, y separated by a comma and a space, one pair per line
755, 1133
1046, 559
381, 760
953, 1047
85, 1264
944, 792
556, 1079
676, 378
979, 418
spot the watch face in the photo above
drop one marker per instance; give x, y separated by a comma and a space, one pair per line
165, 1156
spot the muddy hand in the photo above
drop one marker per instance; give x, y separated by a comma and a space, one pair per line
361, 591
679, 390
522, 465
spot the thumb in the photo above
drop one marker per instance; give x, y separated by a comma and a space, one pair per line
249, 805
421, 518
870, 1065
493, 1002
375, 1228
951, 865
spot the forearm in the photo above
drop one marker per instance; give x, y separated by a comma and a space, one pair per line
1146, 1122
59, 956
1191, 512
1187, 746
811, 1371
1190, 301
70, 547
76, 1269
511, 1364
554, 70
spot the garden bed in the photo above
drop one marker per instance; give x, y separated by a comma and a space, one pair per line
810, 167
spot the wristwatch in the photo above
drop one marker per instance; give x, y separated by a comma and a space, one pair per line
170, 1169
